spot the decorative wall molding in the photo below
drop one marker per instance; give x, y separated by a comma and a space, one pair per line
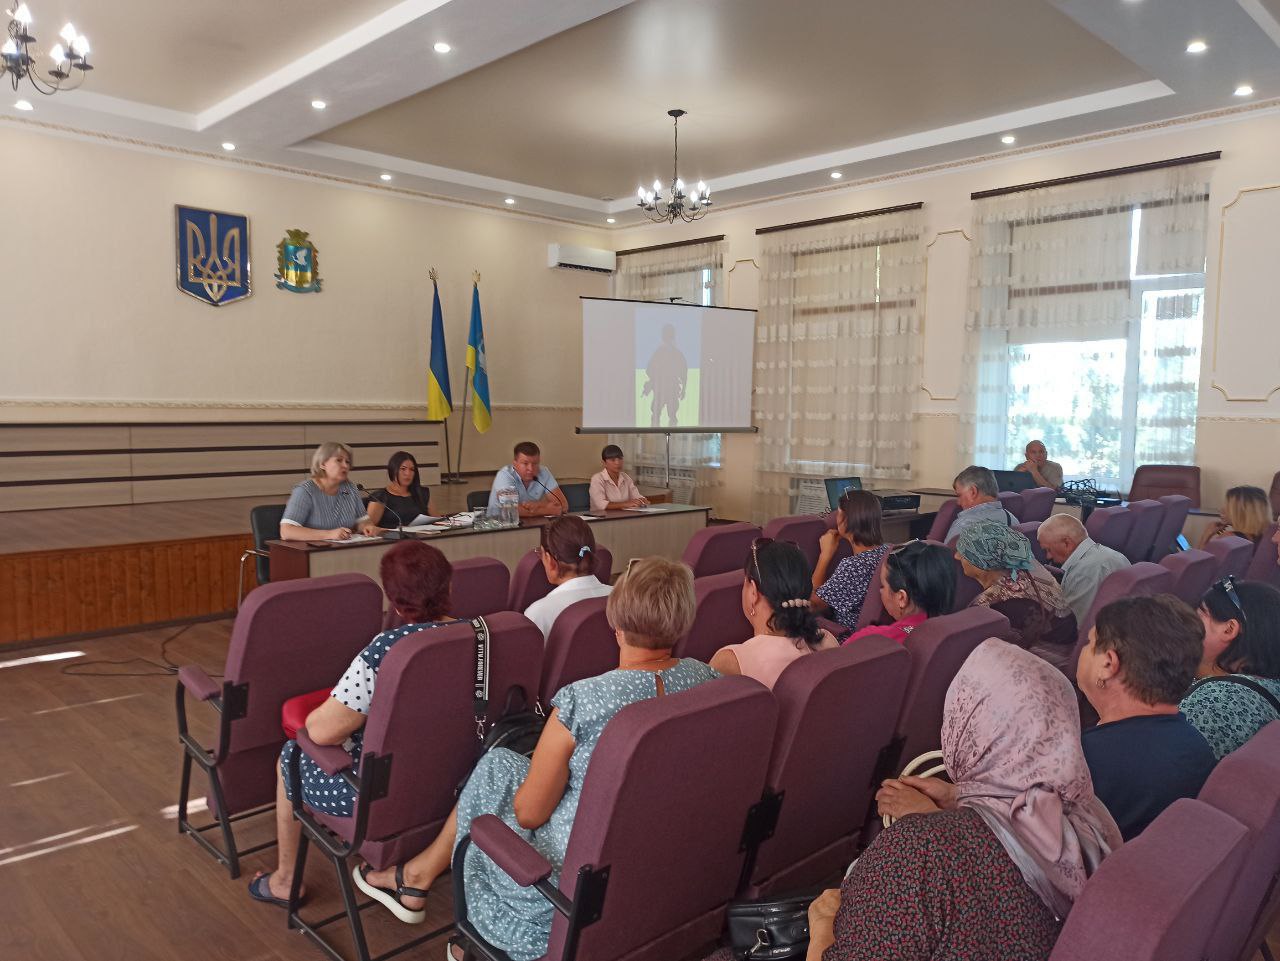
1239, 289
68, 403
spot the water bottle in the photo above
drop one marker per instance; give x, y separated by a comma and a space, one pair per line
508, 507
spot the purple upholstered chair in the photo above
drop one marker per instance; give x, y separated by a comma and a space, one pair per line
937, 648
673, 758
1176, 509
1232, 553
724, 547
1110, 527
966, 587
1263, 566
943, 520
1141, 580
1031, 530
803, 530
479, 586
719, 619
529, 581
419, 744
872, 611
850, 698
1193, 571
1147, 515
1037, 504
1246, 785
1012, 502
581, 644
289, 638
1158, 897
1160, 480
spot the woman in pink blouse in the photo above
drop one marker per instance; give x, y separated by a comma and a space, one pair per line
918, 582
775, 599
613, 489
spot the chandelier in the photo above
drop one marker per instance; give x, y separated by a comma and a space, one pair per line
69, 62
676, 205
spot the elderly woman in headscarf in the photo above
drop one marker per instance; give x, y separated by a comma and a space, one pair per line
986, 866
1018, 586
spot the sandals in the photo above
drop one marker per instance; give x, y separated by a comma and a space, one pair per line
260, 890
391, 899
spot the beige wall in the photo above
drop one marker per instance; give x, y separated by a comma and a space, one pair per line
1238, 440
95, 328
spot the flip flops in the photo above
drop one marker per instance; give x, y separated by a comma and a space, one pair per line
260, 890
391, 899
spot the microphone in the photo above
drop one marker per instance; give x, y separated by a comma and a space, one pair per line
548, 490
396, 535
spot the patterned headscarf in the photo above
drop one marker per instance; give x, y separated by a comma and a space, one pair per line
1011, 743
992, 546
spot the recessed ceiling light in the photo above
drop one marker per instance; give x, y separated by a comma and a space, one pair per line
23, 104
442, 47
1244, 90
509, 201
384, 176
228, 145
1008, 138
836, 175
610, 220
1197, 46
318, 104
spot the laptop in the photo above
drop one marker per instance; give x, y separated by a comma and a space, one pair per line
836, 486
1014, 480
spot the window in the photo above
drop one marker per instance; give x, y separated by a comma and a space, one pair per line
1086, 324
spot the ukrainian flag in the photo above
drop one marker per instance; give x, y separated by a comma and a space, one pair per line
481, 414
439, 396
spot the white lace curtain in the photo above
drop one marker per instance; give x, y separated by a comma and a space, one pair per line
837, 354
1085, 322
695, 274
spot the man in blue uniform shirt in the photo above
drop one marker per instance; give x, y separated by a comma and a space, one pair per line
539, 493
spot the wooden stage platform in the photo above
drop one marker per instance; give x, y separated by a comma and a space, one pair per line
69, 572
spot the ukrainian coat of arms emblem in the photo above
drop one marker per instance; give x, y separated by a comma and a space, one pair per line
297, 264
213, 255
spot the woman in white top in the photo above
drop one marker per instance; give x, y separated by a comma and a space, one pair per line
327, 506
775, 599
612, 489
568, 552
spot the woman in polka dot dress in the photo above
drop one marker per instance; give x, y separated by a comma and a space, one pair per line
415, 577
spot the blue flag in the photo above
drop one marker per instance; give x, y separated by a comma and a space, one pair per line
481, 414
439, 397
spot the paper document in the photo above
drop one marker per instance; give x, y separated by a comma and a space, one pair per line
428, 528
590, 517
644, 510
354, 539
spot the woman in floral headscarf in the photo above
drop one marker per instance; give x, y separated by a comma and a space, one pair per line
989, 865
1015, 584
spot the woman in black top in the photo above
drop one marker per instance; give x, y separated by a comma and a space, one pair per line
404, 493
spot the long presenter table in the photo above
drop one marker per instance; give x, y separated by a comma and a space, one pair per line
627, 534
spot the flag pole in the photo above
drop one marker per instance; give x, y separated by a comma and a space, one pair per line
446, 476
462, 429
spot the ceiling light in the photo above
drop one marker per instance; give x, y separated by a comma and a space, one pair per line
22, 104
318, 104
1008, 138
1244, 90
70, 58
610, 220
836, 175
676, 205
228, 145
510, 201
442, 47
384, 176
1197, 46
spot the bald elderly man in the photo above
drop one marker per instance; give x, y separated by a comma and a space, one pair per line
1085, 563
1043, 471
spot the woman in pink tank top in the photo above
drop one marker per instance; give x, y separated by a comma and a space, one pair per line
918, 582
775, 599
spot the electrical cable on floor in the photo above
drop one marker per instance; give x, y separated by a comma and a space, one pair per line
167, 669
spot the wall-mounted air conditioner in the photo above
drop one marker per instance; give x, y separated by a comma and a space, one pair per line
581, 258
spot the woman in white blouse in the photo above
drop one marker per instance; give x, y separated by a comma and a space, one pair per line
613, 489
568, 553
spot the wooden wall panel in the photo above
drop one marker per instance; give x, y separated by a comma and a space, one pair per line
247, 434
269, 487
40, 497
45, 594
76, 437
63, 466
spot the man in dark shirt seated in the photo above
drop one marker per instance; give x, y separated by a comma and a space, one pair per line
1144, 754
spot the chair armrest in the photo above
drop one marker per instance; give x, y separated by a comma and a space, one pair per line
509, 851
331, 758
197, 683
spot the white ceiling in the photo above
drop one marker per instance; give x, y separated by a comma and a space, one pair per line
561, 103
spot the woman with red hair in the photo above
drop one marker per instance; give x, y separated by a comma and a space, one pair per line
415, 577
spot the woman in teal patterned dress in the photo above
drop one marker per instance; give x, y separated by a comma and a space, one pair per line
1238, 691
649, 610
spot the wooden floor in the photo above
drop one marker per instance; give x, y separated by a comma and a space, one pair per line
91, 864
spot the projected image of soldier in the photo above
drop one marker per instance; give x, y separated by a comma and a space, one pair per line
668, 372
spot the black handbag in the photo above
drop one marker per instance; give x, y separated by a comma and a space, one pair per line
520, 725
775, 929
